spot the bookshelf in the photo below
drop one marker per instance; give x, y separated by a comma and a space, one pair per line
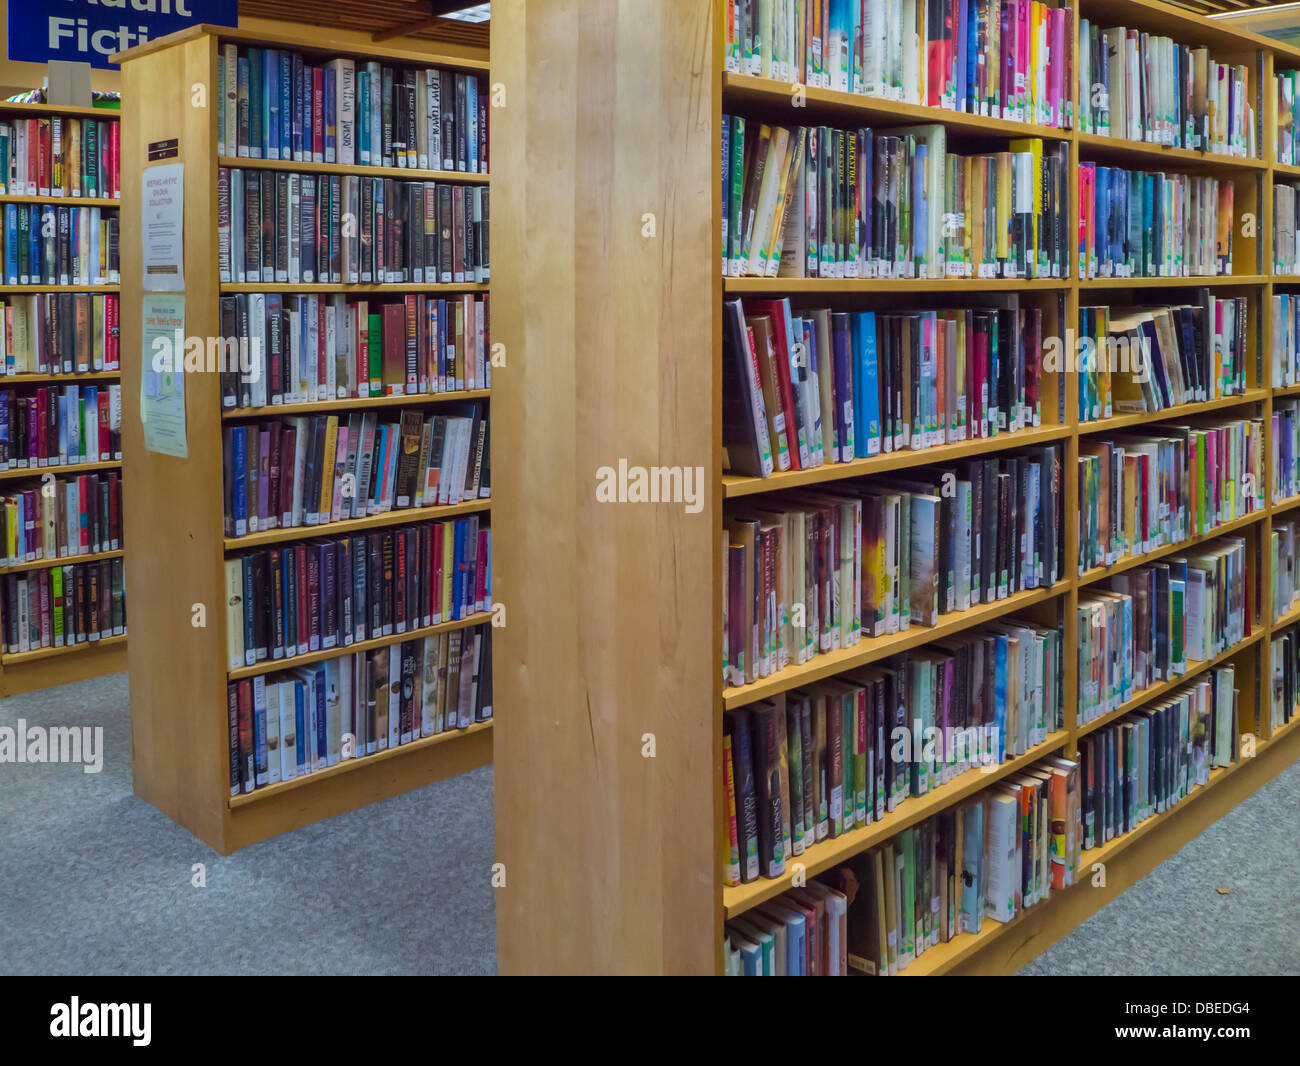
27, 671
180, 741
614, 632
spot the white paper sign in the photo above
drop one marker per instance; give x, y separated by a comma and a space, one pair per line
162, 233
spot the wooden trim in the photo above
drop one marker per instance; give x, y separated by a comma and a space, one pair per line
353, 403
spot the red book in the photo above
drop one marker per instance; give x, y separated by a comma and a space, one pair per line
115, 159
43, 164
114, 511
304, 619
435, 573
288, 458
360, 345
399, 585
247, 760
105, 432
318, 115
47, 630
83, 513
42, 430
481, 578
33, 152
274, 490
394, 348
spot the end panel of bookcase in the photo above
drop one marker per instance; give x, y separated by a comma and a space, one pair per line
173, 513
606, 673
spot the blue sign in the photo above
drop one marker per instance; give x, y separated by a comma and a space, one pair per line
89, 31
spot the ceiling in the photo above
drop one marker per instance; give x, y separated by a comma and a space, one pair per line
382, 18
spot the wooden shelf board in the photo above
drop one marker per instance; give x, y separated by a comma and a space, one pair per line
8, 107
1287, 390
271, 791
297, 44
405, 173
1288, 618
828, 286
776, 101
737, 486
737, 899
1287, 170
352, 403
355, 525
1282, 506
391, 287
65, 560
1194, 282
66, 468
1195, 667
1089, 577
1142, 153
872, 649
61, 201
59, 379
1109, 425
18, 289
20, 657
271, 666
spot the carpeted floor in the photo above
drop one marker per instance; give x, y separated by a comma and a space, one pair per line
95, 881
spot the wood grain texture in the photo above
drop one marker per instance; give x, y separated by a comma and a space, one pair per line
612, 113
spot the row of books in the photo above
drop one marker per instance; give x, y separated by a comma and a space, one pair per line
1138, 493
1284, 662
54, 244
331, 593
989, 858
60, 333
1144, 87
58, 425
811, 387
300, 349
63, 605
1285, 260
1009, 59
282, 227
65, 516
60, 156
825, 569
813, 201
1152, 759
812, 764
1286, 448
1150, 621
275, 104
1286, 574
309, 471
293, 723
1134, 360
1286, 146
1143, 224
1284, 365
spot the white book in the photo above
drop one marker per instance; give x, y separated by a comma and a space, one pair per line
345, 110
394, 693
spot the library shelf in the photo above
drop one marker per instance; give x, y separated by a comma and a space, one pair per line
735, 486
361, 289
1182, 410
356, 525
20, 657
62, 201
59, 470
352, 403
827, 853
289, 662
1128, 562
464, 177
62, 560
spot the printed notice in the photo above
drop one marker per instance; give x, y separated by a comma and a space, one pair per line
162, 233
162, 391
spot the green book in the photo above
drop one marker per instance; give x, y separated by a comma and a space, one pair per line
374, 353
56, 598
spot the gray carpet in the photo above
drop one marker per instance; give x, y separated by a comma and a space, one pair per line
1175, 921
96, 881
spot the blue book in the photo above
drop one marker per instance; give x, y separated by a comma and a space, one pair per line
866, 386
363, 115
243, 101
300, 725
795, 952
259, 729
289, 619
471, 108
322, 730
285, 81
11, 244
841, 344
239, 482
255, 76
920, 214
298, 98
458, 569
271, 103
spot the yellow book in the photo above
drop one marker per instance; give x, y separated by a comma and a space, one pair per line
448, 562
327, 470
1003, 178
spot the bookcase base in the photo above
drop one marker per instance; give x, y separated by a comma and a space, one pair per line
245, 820
1004, 949
80, 664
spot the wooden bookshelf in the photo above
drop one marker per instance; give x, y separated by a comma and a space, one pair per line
45, 667
616, 610
179, 674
